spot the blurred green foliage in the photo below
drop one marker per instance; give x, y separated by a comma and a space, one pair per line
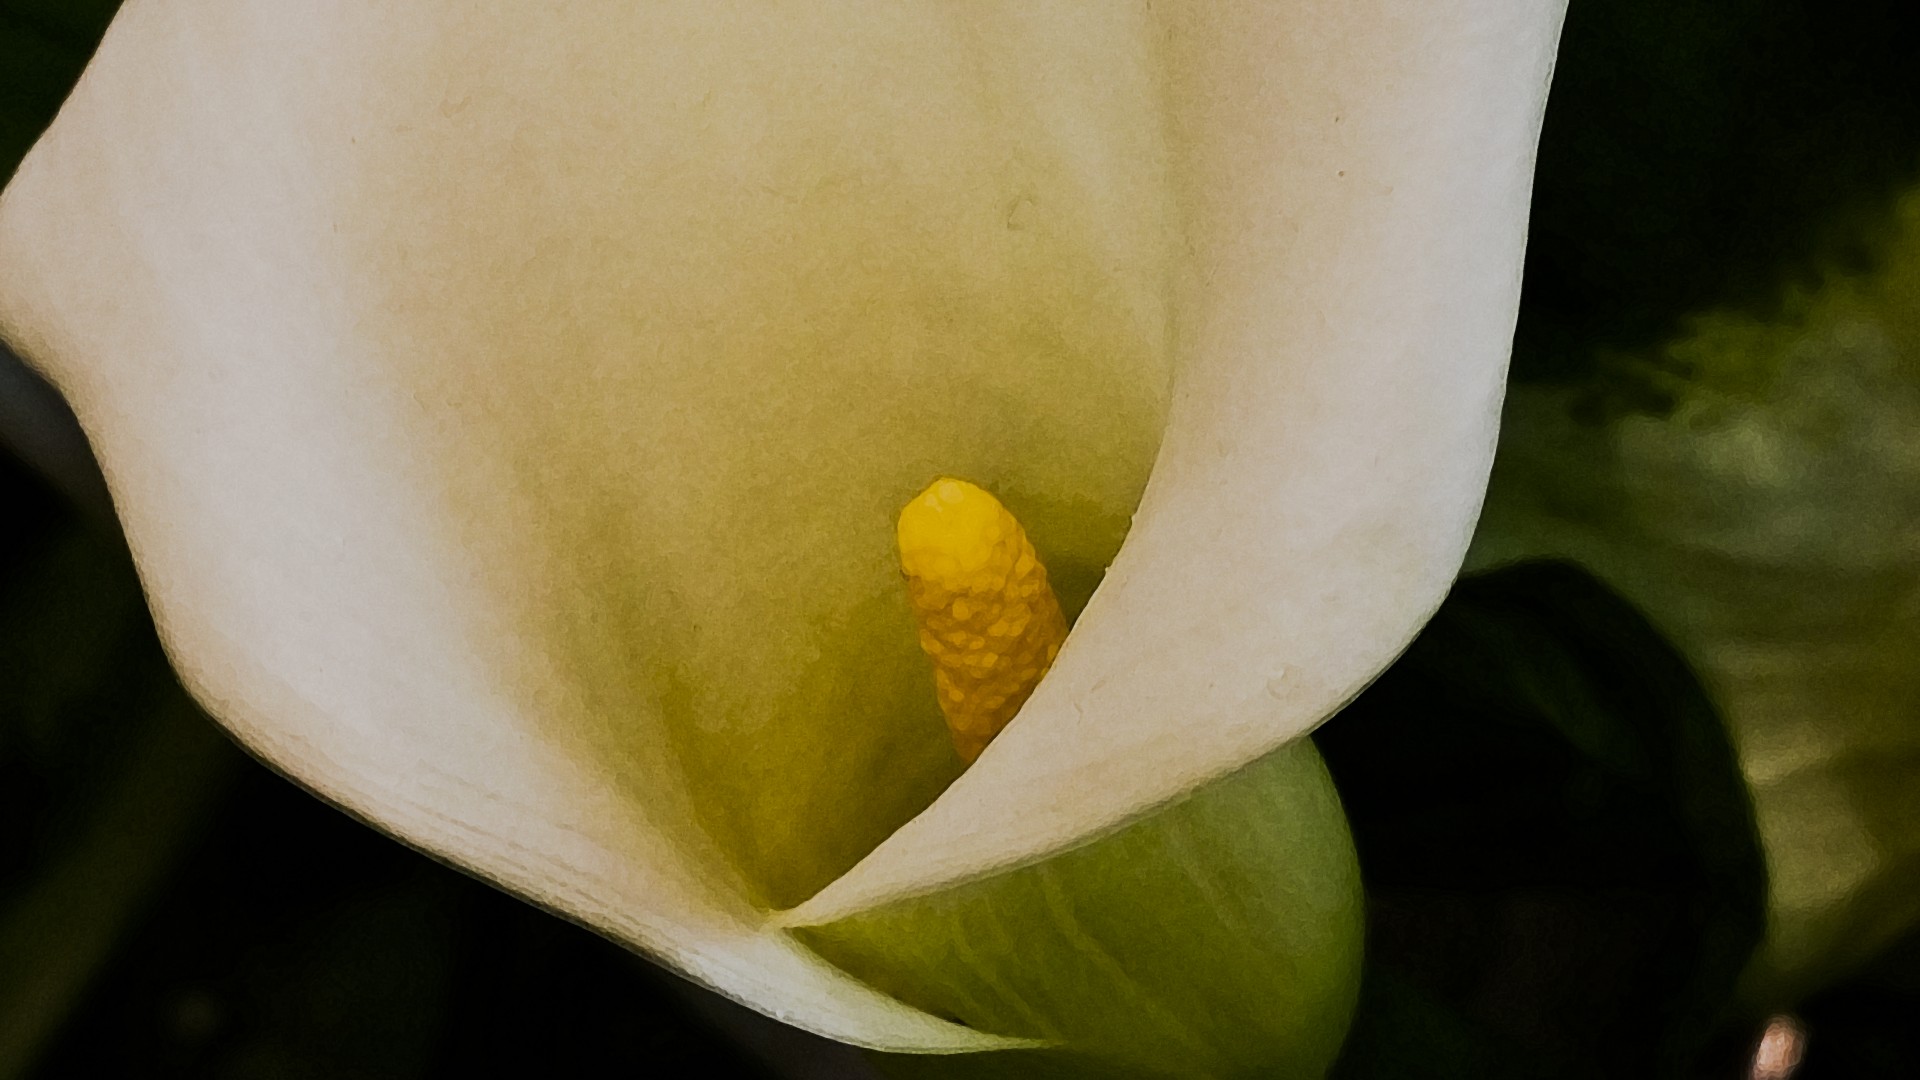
1705, 153
1562, 871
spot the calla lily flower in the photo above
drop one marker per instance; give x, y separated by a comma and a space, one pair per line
1767, 525
508, 406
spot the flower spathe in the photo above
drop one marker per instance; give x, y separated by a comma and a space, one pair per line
507, 407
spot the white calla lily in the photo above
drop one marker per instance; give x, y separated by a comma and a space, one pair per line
507, 406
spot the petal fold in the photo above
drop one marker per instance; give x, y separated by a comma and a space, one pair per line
1354, 182
507, 407
494, 397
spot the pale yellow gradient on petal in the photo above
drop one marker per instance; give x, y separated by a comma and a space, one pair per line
507, 406
1346, 309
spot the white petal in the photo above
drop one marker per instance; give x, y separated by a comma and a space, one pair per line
400, 332
362, 308
1356, 188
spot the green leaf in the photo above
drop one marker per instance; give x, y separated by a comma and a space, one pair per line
1217, 937
1562, 869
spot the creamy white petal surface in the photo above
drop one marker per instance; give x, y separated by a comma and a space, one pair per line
507, 405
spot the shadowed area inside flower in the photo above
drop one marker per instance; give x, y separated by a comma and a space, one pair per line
510, 413
714, 375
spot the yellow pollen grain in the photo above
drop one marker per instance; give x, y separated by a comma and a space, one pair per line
988, 619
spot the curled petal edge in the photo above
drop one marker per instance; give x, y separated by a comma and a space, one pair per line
1351, 186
